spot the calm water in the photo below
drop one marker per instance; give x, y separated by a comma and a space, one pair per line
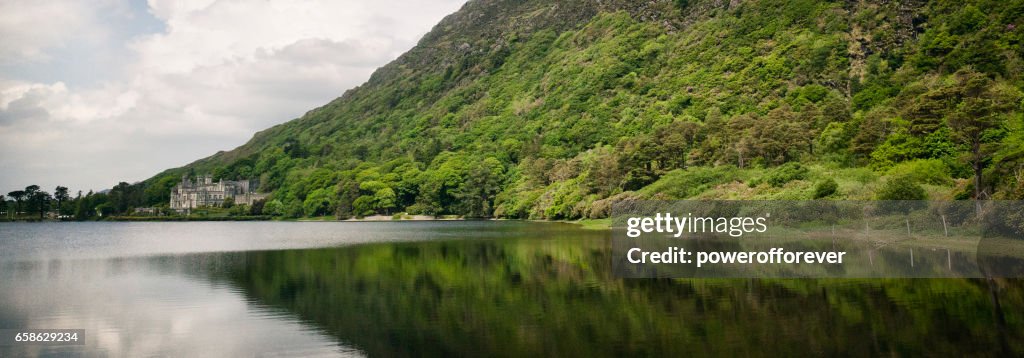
452, 288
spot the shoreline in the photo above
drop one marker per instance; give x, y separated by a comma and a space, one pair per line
589, 224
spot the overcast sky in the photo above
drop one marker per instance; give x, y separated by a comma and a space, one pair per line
100, 91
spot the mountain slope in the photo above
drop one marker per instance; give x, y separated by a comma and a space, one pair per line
554, 109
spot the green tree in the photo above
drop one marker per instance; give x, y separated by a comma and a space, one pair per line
778, 137
105, 209
38, 200
438, 191
980, 110
274, 207
408, 188
603, 171
159, 192
385, 200
257, 207
347, 190
674, 141
60, 194
372, 186
318, 202
30, 198
477, 192
121, 194
19, 197
293, 209
41, 202
83, 209
638, 157
363, 206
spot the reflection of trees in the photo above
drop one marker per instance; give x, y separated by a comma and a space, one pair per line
556, 297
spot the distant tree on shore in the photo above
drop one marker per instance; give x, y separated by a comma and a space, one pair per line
83, 209
18, 196
38, 200
123, 197
60, 194
42, 203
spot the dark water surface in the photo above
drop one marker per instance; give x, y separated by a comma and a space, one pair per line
223, 289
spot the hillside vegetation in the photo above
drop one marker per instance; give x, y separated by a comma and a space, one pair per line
555, 109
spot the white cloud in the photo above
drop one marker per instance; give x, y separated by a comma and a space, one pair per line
218, 72
40, 25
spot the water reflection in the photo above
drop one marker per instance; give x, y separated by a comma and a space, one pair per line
493, 289
527, 297
145, 307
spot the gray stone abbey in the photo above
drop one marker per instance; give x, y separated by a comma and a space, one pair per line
189, 195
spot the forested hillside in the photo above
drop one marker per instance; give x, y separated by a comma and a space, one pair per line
555, 109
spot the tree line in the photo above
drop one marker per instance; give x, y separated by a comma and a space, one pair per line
33, 203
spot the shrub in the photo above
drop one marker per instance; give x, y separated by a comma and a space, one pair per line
825, 188
901, 188
239, 210
926, 171
685, 183
274, 207
417, 209
785, 173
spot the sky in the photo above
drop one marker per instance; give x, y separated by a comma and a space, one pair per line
97, 92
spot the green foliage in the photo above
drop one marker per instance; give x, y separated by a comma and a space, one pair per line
783, 174
924, 171
873, 94
901, 188
105, 210
274, 207
319, 202
293, 209
825, 188
476, 193
238, 210
419, 296
364, 205
682, 184
540, 111
372, 186
384, 199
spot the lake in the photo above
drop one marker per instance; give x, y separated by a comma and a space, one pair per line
461, 288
